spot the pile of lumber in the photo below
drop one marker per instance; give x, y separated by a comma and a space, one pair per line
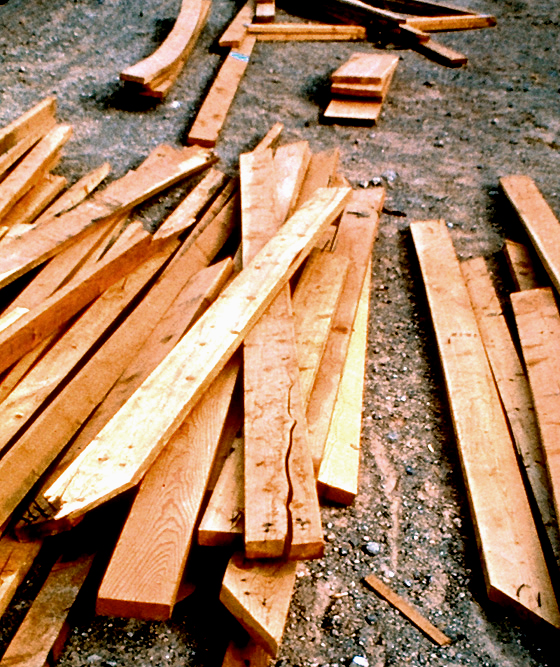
504, 399
360, 86
121, 369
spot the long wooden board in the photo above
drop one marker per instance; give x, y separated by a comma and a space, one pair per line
272, 32
16, 559
237, 29
146, 568
27, 123
372, 91
514, 567
290, 166
514, 388
366, 68
457, 22
441, 54
350, 109
167, 396
32, 204
521, 266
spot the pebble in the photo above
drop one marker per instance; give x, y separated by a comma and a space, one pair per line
373, 548
390, 175
371, 619
359, 661
409, 470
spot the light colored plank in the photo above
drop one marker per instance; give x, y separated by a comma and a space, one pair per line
26, 124
373, 91
170, 395
167, 168
348, 36
350, 109
443, 23
315, 300
172, 48
40, 637
258, 594
290, 165
237, 29
521, 266
265, 12
338, 475
7, 319
270, 138
146, 568
305, 31
514, 389
16, 559
355, 239
538, 324
35, 200
441, 54
32, 168
537, 217
211, 117
514, 567
412, 34
407, 610
366, 68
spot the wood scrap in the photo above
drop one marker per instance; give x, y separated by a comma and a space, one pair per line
407, 610
237, 29
440, 53
270, 138
513, 563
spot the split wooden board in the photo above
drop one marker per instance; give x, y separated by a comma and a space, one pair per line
513, 563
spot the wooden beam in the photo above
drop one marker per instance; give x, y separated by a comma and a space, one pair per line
237, 29
258, 594
456, 22
441, 54
40, 638
512, 559
168, 393
514, 389
337, 480
211, 117
16, 559
521, 266
33, 203
355, 239
147, 565
538, 324
407, 610
539, 221
305, 32
290, 165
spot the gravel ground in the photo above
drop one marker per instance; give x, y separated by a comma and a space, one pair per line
444, 139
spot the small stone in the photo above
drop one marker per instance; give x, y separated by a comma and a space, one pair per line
409, 470
376, 181
94, 658
175, 104
373, 548
343, 552
371, 619
407, 583
391, 176
331, 537
363, 184
392, 436
359, 661
450, 225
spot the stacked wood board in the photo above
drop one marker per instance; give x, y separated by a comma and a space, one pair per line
93, 356
360, 86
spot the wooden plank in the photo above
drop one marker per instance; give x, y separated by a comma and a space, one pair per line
30, 170
350, 109
33, 203
407, 610
16, 559
366, 68
209, 344
237, 29
12, 377
512, 560
26, 124
441, 54
412, 34
315, 300
456, 22
538, 324
426, 7
322, 168
372, 91
249, 655
171, 49
211, 117
514, 389
337, 480
265, 12
43, 242
521, 266
355, 239
40, 637
290, 165
537, 217
147, 565
346, 36
270, 138
258, 594
305, 31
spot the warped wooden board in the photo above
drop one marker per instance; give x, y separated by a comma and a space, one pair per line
355, 239
315, 300
32, 168
16, 559
249, 655
26, 124
538, 325
32, 204
69, 351
440, 53
366, 68
172, 48
258, 594
46, 240
67, 413
407, 610
290, 165
265, 12
521, 266
211, 117
147, 565
41, 635
337, 480
539, 221
321, 170
237, 29
514, 389
170, 395
457, 22
514, 567
373, 91
270, 138
351, 109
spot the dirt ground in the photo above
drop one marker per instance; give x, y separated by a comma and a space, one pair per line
444, 139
